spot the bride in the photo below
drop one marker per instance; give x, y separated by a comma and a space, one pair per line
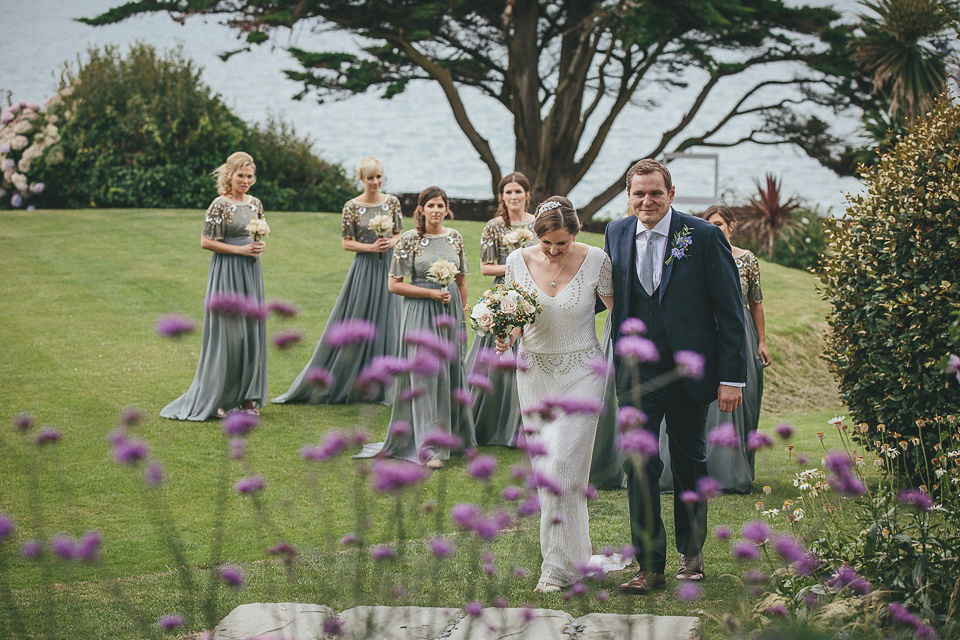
566, 276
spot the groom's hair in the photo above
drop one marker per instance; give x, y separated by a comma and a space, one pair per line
556, 212
649, 165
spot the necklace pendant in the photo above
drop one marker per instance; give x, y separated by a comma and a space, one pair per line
553, 284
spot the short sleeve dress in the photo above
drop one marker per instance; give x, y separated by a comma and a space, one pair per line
496, 411
425, 397
364, 296
233, 354
734, 466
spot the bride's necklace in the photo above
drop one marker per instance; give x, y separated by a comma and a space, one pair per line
553, 281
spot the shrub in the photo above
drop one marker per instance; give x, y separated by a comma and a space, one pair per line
145, 131
800, 246
892, 275
29, 138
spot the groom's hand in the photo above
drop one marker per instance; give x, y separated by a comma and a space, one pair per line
729, 398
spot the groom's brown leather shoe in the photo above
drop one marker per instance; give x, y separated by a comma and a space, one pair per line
690, 567
643, 582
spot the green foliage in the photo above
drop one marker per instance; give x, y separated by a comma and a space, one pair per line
143, 130
892, 275
800, 246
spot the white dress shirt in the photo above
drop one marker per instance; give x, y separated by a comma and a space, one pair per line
661, 232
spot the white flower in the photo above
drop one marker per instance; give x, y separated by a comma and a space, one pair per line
508, 304
528, 308
19, 181
18, 142
770, 513
258, 229
483, 316
24, 165
442, 271
381, 224
837, 420
798, 513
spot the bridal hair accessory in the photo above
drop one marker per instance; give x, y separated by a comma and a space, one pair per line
547, 206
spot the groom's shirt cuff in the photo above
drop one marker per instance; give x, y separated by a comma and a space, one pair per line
735, 384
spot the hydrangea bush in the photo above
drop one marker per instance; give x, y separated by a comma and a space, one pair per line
29, 137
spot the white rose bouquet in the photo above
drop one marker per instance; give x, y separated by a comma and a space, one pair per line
382, 225
501, 309
258, 229
518, 238
442, 271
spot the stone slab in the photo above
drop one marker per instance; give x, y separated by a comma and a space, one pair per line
292, 621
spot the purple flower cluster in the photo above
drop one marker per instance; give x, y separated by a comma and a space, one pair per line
633, 326
7, 526
236, 305
688, 591
537, 479
380, 371
789, 548
286, 339
529, 507
916, 498
174, 326
630, 418
240, 423
23, 422
756, 531
550, 406
639, 442
636, 349
758, 440
440, 548
47, 435
333, 627
392, 475
153, 474
842, 477
170, 621
534, 447
282, 308
470, 517
129, 450
480, 381
319, 377
333, 444
463, 397
440, 439
482, 467
709, 487
86, 548
473, 608
349, 332
902, 615
511, 493
953, 365
232, 575
724, 436
445, 321
745, 551
251, 484
382, 552
434, 344
600, 366
784, 431
846, 577
690, 364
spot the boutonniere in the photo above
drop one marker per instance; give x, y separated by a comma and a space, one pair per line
681, 241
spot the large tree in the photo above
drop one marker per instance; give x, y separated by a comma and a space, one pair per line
565, 69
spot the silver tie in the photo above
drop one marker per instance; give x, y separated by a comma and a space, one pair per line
648, 263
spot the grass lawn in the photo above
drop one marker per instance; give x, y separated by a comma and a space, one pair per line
82, 291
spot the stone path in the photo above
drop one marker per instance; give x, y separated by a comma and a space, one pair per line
295, 621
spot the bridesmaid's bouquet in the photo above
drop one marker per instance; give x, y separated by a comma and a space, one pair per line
258, 229
502, 308
442, 271
518, 238
382, 225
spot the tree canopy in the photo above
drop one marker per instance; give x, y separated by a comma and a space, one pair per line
566, 69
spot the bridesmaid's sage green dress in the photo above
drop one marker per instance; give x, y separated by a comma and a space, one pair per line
424, 401
233, 353
496, 413
364, 296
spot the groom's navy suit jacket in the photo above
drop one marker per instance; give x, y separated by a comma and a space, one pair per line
699, 299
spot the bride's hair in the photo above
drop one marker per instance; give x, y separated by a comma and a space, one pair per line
556, 212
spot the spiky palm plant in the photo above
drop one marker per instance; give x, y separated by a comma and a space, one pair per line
768, 217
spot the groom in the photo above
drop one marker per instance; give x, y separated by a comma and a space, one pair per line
674, 272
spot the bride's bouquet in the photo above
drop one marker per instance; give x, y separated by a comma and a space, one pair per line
518, 238
258, 229
502, 308
442, 271
381, 224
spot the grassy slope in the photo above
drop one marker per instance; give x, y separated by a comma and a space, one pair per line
82, 291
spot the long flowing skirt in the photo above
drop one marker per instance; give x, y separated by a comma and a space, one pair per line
364, 296
733, 467
233, 354
564, 519
606, 466
425, 402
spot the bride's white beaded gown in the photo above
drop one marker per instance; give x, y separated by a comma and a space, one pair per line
558, 347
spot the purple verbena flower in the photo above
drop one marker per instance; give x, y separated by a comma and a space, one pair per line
534, 447
282, 308
639, 442
688, 591
637, 349
63, 547
231, 304
465, 514
382, 552
440, 548
916, 498
391, 475
511, 493
131, 417
283, 549
332, 627
445, 321
349, 332
745, 551
789, 548
88, 548
724, 436
349, 540
427, 364
174, 326
31, 549
590, 492
319, 377
758, 440
238, 447
690, 364
689, 497
722, 532
240, 423
473, 608
600, 366
630, 418
436, 345
529, 507
463, 397
633, 326
251, 484
842, 477
410, 394
482, 467
709, 487
777, 610
539, 480
23, 422
784, 431
756, 531
131, 451
153, 475
953, 365
7, 526
286, 339
170, 621
440, 439
400, 429
902, 615
847, 577
48, 435
232, 575
333, 444
480, 381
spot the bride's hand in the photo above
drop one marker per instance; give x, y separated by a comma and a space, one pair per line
504, 344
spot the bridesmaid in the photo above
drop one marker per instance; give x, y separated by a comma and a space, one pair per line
232, 371
496, 412
364, 296
425, 395
734, 467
